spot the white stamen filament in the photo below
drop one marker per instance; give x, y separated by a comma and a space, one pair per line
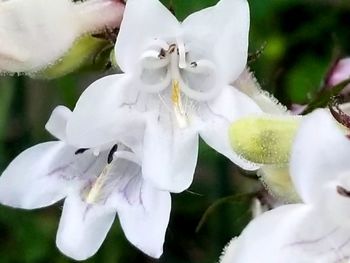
182, 53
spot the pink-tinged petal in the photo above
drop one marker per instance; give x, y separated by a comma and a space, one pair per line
82, 228
57, 122
216, 118
222, 29
144, 21
340, 72
97, 15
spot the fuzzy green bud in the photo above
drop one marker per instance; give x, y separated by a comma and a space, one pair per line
278, 181
83, 52
264, 140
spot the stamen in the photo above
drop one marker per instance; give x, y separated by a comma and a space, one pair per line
172, 48
343, 192
182, 53
81, 150
111, 153
151, 60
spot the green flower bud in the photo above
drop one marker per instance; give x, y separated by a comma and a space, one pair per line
83, 51
278, 181
264, 140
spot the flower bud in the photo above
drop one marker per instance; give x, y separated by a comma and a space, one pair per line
35, 34
264, 140
82, 52
278, 182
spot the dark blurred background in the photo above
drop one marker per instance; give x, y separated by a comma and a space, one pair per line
298, 40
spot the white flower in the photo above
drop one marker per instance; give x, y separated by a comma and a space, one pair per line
95, 186
318, 230
176, 76
36, 33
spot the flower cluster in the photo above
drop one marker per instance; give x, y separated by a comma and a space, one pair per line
132, 138
316, 230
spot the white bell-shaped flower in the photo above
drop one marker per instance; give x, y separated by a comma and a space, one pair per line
177, 76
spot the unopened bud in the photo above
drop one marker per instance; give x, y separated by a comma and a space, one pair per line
83, 52
36, 33
264, 140
279, 183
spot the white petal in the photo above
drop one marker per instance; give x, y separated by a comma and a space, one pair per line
33, 179
99, 118
82, 228
46, 173
144, 21
292, 233
218, 115
224, 29
170, 156
229, 252
320, 163
57, 123
145, 225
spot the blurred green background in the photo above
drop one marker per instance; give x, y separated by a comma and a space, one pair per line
298, 41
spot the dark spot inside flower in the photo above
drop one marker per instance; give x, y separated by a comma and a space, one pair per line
81, 150
172, 48
162, 53
343, 192
111, 153
194, 64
